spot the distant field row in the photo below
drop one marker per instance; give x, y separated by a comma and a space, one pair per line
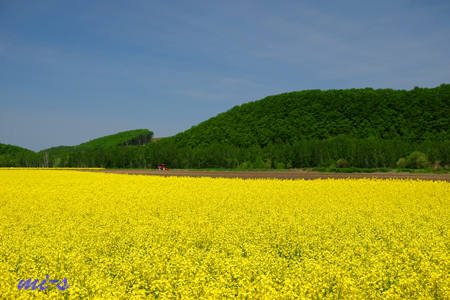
287, 175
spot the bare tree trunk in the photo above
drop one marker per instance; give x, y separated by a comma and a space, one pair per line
376, 158
45, 164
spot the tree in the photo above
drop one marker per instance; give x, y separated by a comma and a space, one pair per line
268, 163
417, 160
342, 163
45, 161
402, 163
280, 166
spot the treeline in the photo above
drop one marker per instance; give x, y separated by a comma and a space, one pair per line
416, 115
370, 152
340, 151
114, 157
97, 152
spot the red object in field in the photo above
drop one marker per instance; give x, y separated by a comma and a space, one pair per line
163, 167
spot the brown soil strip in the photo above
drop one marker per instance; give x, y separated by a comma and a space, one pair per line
292, 174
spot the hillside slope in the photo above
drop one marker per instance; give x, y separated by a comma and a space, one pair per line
13, 150
10, 154
415, 115
126, 138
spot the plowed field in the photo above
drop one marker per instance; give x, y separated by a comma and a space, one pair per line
293, 174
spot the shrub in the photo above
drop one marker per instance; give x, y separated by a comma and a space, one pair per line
268, 163
355, 170
289, 165
441, 170
259, 163
402, 163
328, 163
342, 163
280, 165
417, 160
243, 165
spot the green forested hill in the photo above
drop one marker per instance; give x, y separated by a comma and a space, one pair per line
136, 137
11, 156
126, 138
10, 150
109, 150
363, 128
415, 115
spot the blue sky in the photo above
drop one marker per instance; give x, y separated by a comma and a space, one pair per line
73, 71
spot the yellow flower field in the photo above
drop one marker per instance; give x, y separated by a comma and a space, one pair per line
46, 169
148, 237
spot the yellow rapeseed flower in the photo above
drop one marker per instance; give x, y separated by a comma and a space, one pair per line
149, 237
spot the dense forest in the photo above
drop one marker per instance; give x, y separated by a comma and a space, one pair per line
363, 128
366, 128
369, 152
416, 115
361, 153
